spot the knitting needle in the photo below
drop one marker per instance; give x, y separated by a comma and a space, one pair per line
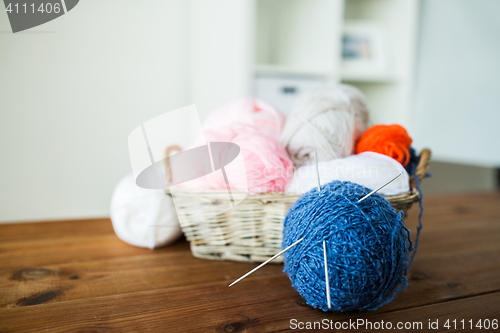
317, 169
326, 277
324, 243
390, 181
266, 262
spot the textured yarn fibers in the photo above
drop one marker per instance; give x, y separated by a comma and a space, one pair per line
390, 140
267, 167
247, 111
367, 247
329, 120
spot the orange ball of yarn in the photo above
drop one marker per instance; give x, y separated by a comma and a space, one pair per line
390, 140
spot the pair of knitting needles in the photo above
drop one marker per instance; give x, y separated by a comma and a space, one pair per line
324, 241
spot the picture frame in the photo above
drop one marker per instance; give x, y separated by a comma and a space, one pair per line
364, 49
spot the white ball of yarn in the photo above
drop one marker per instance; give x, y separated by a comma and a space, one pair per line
143, 217
369, 169
330, 119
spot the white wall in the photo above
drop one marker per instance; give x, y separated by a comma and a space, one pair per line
72, 90
458, 99
220, 51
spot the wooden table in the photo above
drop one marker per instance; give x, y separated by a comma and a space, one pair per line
78, 276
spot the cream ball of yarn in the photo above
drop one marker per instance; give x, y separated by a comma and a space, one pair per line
328, 119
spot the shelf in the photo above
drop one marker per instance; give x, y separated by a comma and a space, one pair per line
302, 40
266, 69
279, 70
369, 77
297, 37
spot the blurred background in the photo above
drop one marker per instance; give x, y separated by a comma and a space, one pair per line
72, 90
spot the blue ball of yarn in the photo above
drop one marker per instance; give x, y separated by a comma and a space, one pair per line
367, 247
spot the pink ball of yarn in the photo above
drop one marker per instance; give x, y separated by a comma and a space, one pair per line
267, 165
248, 111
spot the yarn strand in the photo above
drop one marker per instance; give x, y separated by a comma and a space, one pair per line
420, 225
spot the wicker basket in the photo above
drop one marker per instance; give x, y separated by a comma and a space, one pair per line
252, 231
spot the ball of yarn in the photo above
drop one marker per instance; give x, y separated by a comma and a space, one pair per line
390, 140
368, 169
142, 217
267, 167
329, 120
367, 248
248, 111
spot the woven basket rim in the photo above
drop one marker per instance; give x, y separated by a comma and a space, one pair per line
270, 195
409, 196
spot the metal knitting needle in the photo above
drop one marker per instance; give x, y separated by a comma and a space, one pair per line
288, 248
381, 187
324, 243
267, 261
326, 277
317, 169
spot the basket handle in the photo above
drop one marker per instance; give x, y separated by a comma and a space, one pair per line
166, 161
423, 165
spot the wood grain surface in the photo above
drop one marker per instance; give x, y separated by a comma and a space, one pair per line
77, 276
